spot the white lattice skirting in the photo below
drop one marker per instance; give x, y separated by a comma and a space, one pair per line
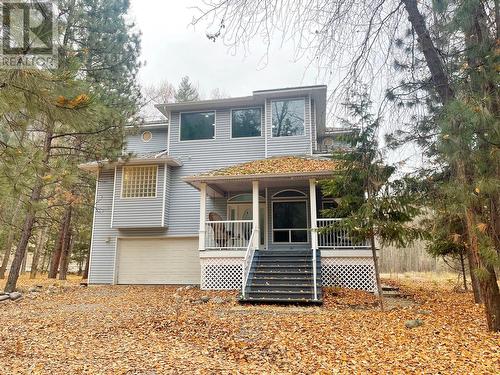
348, 272
353, 273
221, 273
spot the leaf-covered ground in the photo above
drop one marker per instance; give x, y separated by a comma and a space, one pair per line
163, 330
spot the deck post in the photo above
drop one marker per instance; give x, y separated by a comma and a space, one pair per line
314, 231
255, 213
203, 215
314, 218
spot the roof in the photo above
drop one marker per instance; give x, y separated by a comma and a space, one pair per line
158, 157
272, 167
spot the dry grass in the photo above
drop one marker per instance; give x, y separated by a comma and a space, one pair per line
165, 330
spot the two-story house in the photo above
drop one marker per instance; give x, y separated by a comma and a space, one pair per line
225, 195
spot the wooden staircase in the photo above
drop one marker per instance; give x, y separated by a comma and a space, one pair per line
283, 276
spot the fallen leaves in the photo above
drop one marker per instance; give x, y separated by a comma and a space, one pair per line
277, 165
165, 329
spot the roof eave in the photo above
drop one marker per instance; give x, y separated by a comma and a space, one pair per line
296, 175
95, 166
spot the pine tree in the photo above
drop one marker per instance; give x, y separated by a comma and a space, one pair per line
186, 92
372, 204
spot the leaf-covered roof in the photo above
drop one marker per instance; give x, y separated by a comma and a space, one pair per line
276, 165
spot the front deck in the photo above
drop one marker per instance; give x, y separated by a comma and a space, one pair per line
241, 215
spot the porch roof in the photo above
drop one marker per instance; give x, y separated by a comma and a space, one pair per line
274, 171
159, 157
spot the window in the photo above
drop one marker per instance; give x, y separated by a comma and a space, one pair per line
289, 194
246, 122
197, 125
139, 181
287, 117
290, 221
329, 204
146, 136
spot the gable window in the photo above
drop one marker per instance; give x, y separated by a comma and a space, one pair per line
246, 122
139, 181
197, 125
146, 136
288, 117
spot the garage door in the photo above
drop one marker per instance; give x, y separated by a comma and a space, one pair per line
158, 261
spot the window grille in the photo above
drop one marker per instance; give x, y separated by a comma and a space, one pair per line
139, 181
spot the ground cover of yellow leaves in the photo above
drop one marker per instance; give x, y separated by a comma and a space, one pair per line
277, 165
166, 330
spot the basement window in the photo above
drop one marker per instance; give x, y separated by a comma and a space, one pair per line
139, 181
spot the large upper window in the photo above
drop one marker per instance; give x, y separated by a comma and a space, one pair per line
287, 117
197, 125
139, 181
246, 122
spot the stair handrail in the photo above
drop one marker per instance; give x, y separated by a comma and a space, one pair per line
247, 262
314, 276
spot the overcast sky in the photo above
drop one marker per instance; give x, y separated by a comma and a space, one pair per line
172, 49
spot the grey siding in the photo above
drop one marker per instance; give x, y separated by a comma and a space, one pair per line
138, 212
200, 156
135, 144
314, 132
292, 145
102, 252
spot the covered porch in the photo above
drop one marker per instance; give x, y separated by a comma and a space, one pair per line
268, 205
282, 210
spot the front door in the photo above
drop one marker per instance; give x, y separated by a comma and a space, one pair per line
243, 211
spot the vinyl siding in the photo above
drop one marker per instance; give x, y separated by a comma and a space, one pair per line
314, 134
135, 144
138, 212
102, 252
201, 156
138, 219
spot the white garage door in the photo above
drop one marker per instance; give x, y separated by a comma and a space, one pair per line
158, 261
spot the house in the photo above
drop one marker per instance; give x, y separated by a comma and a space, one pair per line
225, 195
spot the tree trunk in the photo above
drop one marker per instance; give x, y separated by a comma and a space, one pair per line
42, 263
434, 63
488, 285
38, 251
56, 255
29, 220
66, 253
462, 265
473, 279
85, 274
10, 239
487, 282
23, 263
377, 273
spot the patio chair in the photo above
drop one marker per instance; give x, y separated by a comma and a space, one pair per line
221, 235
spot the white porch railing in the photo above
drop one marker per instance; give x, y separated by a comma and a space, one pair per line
336, 237
247, 262
228, 234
